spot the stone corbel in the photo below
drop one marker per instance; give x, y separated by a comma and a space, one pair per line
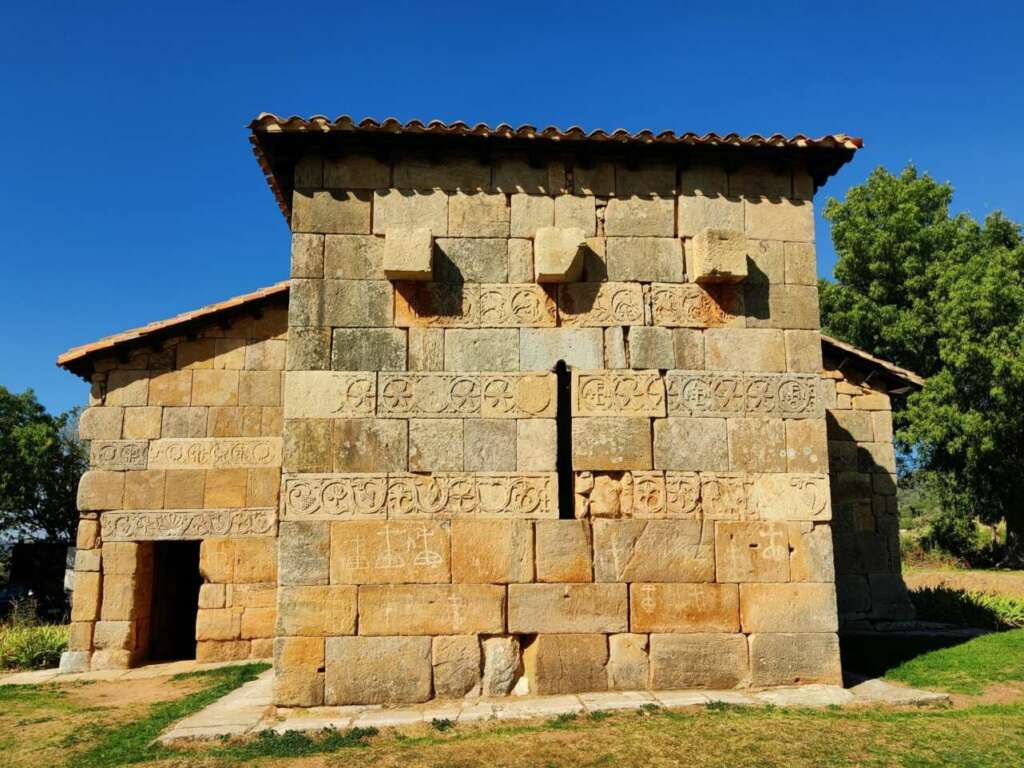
717, 256
408, 253
558, 254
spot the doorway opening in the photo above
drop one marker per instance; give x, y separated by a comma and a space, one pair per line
563, 431
175, 602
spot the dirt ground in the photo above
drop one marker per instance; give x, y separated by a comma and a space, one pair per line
996, 582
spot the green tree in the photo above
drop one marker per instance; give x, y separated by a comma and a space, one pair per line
944, 296
42, 462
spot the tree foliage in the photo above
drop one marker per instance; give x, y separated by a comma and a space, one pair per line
944, 296
42, 461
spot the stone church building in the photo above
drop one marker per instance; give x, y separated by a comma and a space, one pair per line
538, 411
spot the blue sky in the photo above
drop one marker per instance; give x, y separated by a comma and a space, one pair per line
130, 192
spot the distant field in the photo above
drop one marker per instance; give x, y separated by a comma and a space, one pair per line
1010, 583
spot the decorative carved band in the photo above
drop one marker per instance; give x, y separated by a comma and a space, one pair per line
703, 496
329, 394
687, 305
484, 494
118, 454
204, 452
618, 393
488, 395
474, 305
188, 524
704, 393
601, 304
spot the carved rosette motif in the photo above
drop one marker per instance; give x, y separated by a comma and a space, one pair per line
345, 496
187, 524
118, 454
204, 452
703, 496
618, 393
600, 304
688, 305
462, 395
704, 393
474, 305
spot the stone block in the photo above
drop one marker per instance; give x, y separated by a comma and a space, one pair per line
471, 260
377, 670
298, 689
567, 608
766, 262
357, 304
369, 349
259, 388
651, 348
214, 387
806, 446
80, 636
216, 651
119, 603
803, 351
688, 348
794, 306
393, 208
309, 349
478, 215
563, 552
645, 259
492, 551
502, 665
646, 179
212, 595
436, 445
144, 489
791, 220
751, 551
408, 253
196, 353
536, 444
356, 171
305, 302
432, 609
449, 173
611, 443
558, 254
219, 624
88, 534
307, 256
617, 393
490, 349
703, 180
794, 659
629, 668
520, 260
715, 661
755, 182
390, 552
457, 666
87, 560
111, 659
577, 211
541, 348
309, 172
490, 445
225, 488
305, 553
370, 445
258, 623
757, 445
141, 423
307, 445
801, 268
354, 257
872, 401
594, 177
889, 597
255, 560
529, 213
809, 607
640, 216
652, 550
694, 444
810, 556
316, 611
717, 256
566, 663
100, 490
331, 211
745, 349
698, 212
74, 661
517, 173
217, 560
85, 604
615, 349
856, 426
171, 388
426, 349
101, 423
127, 388
667, 607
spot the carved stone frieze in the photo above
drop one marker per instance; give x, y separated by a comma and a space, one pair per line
118, 454
138, 525
329, 394
779, 395
220, 452
618, 393
583, 305
687, 305
474, 305
467, 395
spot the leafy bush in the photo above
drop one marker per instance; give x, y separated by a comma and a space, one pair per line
968, 609
32, 646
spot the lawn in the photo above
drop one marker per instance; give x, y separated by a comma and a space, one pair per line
86, 727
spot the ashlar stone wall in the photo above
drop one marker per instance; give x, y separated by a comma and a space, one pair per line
426, 547
185, 443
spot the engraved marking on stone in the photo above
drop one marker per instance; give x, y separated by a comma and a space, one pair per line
139, 525
360, 397
456, 603
600, 304
704, 393
355, 560
684, 305
118, 454
426, 557
649, 601
334, 496
474, 305
636, 393
777, 548
198, 453
388, 560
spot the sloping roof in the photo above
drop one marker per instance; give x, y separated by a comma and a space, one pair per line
79, 359
275, 138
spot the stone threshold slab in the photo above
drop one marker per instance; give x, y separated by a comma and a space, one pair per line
247, 710
40, 676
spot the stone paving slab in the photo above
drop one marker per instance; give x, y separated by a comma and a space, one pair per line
248, 710
40, 676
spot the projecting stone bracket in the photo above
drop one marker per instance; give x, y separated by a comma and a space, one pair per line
717, 256
408, 253
558, 254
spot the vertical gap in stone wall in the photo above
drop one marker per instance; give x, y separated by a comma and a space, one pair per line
563, 426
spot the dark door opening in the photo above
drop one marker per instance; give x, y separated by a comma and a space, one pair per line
176, 583
563, 432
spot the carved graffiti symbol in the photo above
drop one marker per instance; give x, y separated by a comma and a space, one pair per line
777, 548
648, 602
456, 604
359, 396
388, 560
355, 560
426, 557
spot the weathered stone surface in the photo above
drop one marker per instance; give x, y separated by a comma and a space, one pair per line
750, 551
303, 688
806, 445
717, 256
790, 220
144, 489
611, 443
142, 423
757, 445
615, 393
305, 553
390, 552
316, 611
454, 172
516, 173
652, 550
579, 211
100, 489
85, 605
615, 349
435, 445
688, 347
558, 254
352, 257
803, 351
490, 445
326, 394
640, 216
356, 171
801, 268
809, 607
456, 662
520, 260
536, 445
502, 665
810, 557
471, 260
492, 551
651, 348
357, 303
100, 423
567, 608
481, 350
767, 264
392, 208
468, 395
541, 348
563, 552
684, 607
647, 259
127, 388
307, 445
478, 215
691, 444
794, 659
88, 534
307, 255
566, 663
426, 349
370, 445
170, 388
684, 305
369, 349
118, 454
377, 670
699, 212
432, 609
332, 211
309, 349
745, 349
74, 661
716, 661
706, 393
119, 602
529, 213
210, 453
601, 304
628, 665
474, 305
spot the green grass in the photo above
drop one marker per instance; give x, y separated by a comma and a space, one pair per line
968, 667
968, 609
27, 646
292, 744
